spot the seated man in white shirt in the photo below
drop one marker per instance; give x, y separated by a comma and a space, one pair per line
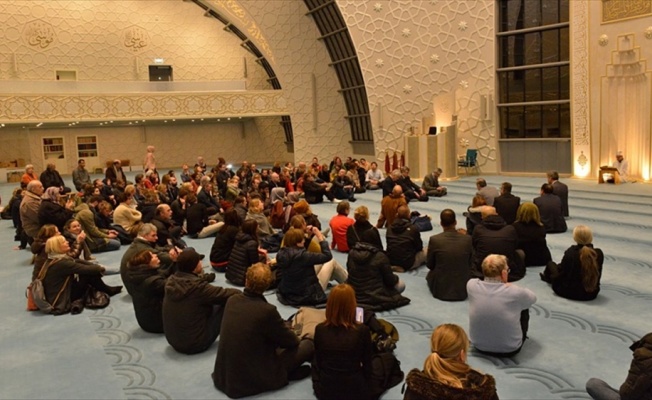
622, 166
374, 177
498, 311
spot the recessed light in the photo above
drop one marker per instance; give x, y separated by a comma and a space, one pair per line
228, 119
165, 121
173, 120
202, 119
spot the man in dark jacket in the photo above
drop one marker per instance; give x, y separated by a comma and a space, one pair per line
51, 178
638, 385
257, 351
404, 244
377, 288
560, 189
411, 190
507, 204
494, 236
449, 260
147, 283
192, 308
550, 208
168, 233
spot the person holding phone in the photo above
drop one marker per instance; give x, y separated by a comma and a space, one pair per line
341, 368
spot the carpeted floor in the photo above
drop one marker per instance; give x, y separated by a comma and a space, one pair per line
104, 355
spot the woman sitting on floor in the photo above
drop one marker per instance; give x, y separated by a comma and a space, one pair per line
38, 247
342, 365
362, 230
255, 212
245, 253
146, 283
446, 375
303, 275
66, 280
74, 234
578, 275
225, 240
51, 210
531, 235
473, 214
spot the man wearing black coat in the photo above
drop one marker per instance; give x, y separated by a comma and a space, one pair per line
192, 307
551, 210
51, 178
560, 189
257, 351
494, 236
507, 204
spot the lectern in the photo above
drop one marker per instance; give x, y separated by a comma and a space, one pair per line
609, 175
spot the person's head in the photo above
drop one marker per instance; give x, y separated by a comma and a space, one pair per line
189, 261
117, 163
374, 166
231, 218
150, 196
552, 176
47, 231
437, 172
395, 175
403, 212
57, 244
583, 236
35, 187
506, 188
81, 163
150, 149
52, 194
256, 206
480, 183
478, 201
340, 306
258, 278
29, 169
527, 213
302, 207
250, 227
145, 257
446, 363
397, 191
343, 208
495, 266
51, 167
447, 218
148, 232
546, 188
105, 208
341, 172
298, 222
294, 237
164, 212
73, 226
619, 156
405, 171
275, 177
361, 214
200, 160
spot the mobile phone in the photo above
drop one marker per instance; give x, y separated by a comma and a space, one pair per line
359, 314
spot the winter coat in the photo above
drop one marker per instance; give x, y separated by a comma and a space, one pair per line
147, 292
477, 387
54, 213
196, 218
568, 283
370, 274
243, 255
638, 385
56, 277
187, 307
223, 244
403, 243
363, 231
494, 236
532, 240
298, 281
247, 361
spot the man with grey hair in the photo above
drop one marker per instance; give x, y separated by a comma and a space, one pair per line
488, 192
29, 207
80, 175
390, 181
431, 184
146, 240
498, 311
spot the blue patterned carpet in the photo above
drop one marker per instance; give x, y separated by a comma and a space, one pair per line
104, 355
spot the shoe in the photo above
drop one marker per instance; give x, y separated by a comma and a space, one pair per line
326, 232
300, 373
337, 201
353, 200
398, 269
90, 258
113, 290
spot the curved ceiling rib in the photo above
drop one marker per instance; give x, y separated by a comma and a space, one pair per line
260, 59
344, 59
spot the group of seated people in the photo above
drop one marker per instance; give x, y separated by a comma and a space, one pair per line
172, 295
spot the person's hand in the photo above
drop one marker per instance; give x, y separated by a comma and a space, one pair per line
317, 233
462, 231
70, 204
211, 222
113, 234
173, 254
81, 237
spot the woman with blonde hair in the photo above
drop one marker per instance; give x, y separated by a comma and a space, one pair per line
362, 230
446, 375
341, 368
531, 235
578, 275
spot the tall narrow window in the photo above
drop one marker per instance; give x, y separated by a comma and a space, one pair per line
533, 72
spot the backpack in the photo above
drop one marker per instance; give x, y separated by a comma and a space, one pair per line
385, 373
421, 222
36, 299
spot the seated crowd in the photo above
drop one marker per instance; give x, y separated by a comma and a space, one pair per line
252, 213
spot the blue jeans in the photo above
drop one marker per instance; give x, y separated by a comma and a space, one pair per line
600, 390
